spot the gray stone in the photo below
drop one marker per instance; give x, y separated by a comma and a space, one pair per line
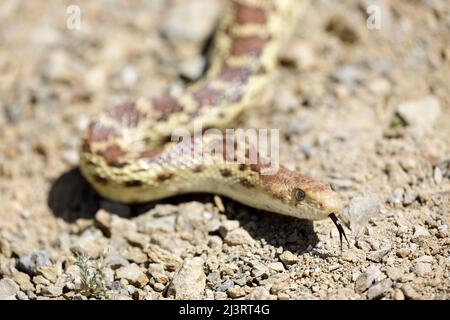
238, 237
225, 285
437, 175
377, 256
24, 281
227, 226
409, 292
259, 293
191, 13
420, 114
360, 210
115, 260
8, 289
380, 289
30, 263
276, 266
189, 280
422, 269
133, 274
396, 196
157, 272
366, 279
236, 292
420, 231
395, 273
288, 258
192, 67
159, 255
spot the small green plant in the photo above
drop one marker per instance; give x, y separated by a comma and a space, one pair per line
396, 121
92, 281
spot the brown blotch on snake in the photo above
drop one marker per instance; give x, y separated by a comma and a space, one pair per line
246, 183
207, 96
98, 132
112, 154
235, 74
133, 183
127, 114
164, 176
166, 106
246, 14
226, 173
100, 180
198, 168
251, 45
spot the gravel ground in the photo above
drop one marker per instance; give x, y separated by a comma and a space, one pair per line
367, 110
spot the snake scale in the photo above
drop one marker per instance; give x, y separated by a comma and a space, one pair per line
126, 154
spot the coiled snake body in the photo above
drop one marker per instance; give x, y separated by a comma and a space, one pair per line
126, 154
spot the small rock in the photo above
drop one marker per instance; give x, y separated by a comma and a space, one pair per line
137, 239
227, 226
380, 289
136, 255
420, 114
396, 197
236, 292
398, 295
189, 280
409, 292
192, 67
394, 273
420, 231
71, 157
8, 289
276, 266
259, 269
24, 281
422, 269
281, 283
288, 258
191, 13
159, 287
437, 175
377, 256
225, 285
259, 293
89, 246
340, 184
409, 197
403, 252
156, 270
360, 210
286, 100
366, 279
48, 272
112, 224
133, 274
114, 260
30, 263
424, 259
238, 237
51, 290
158, 255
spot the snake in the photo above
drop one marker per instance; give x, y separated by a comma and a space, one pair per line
128, 155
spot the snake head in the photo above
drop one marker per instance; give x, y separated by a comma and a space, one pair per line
302, 196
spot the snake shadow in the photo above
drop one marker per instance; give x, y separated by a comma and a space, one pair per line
71, 198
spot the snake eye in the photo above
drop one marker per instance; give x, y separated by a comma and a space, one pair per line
300, 194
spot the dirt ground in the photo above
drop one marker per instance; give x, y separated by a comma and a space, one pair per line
366, 109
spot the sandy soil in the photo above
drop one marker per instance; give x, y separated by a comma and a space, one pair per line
367, 110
